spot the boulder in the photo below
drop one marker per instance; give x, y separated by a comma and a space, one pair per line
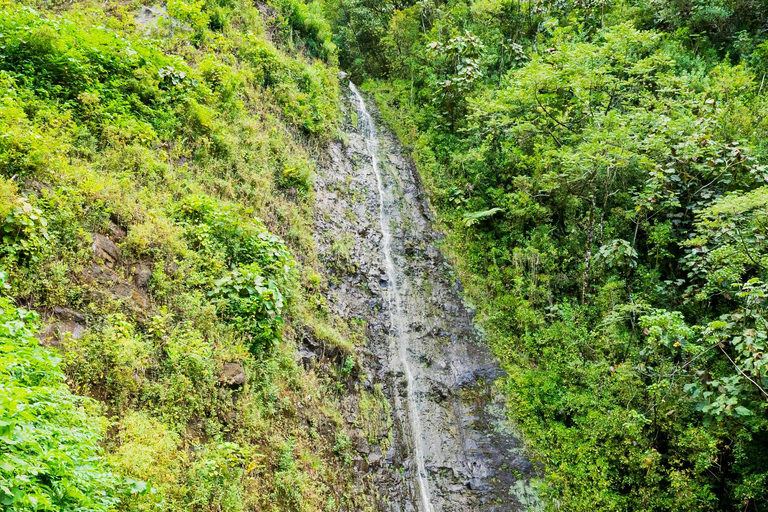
117, 232
63, 323
105, 249
374, 459
232, 375
68, 315
149, 19
142, 273
360, 464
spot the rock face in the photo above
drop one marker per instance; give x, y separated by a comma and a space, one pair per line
63, 323
149, 15
232, 375
142, 273
106, 250
450, 437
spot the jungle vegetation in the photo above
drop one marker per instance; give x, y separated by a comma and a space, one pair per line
600, 170
157, 260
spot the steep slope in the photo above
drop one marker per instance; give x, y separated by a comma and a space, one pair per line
424, 359
155, 209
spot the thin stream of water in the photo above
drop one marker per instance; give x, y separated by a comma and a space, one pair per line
398, 316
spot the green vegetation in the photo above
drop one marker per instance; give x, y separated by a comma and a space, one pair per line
600, 169
155, 210
50, 457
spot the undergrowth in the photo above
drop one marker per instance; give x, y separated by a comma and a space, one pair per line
156, 210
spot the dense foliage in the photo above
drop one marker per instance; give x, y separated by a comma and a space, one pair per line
50, 456
600, 168
155, 203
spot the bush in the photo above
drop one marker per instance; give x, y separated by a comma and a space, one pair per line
224, 230
252, 304
50, 453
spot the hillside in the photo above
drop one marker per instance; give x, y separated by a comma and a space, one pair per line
156, 212
599, 169
522, 267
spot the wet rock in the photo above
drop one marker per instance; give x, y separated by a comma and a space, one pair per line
439, 393
232, 375
421, 346
97, 274
105, 249
476, 484
374, 459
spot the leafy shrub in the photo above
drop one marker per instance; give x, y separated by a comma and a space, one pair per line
150, 452
23, 232
191, 13
309, 22
307, 93
190, 353
47, 57
117, 367
252, 304
50, 452
622, 277
223, 230
21, 151
215, 476
290, 483
159, 144
298, 176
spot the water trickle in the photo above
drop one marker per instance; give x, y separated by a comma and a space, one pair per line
446, 445
398, 316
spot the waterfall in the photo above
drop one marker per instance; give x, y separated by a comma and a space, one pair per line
397, 314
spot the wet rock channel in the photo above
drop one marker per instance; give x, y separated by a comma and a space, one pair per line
451, 448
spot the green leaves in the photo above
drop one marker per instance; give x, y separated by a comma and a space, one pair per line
629, 162
618, 254
50, 453
252, 303
731, 241
23, 233
472, 218
225, 231
457, 62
